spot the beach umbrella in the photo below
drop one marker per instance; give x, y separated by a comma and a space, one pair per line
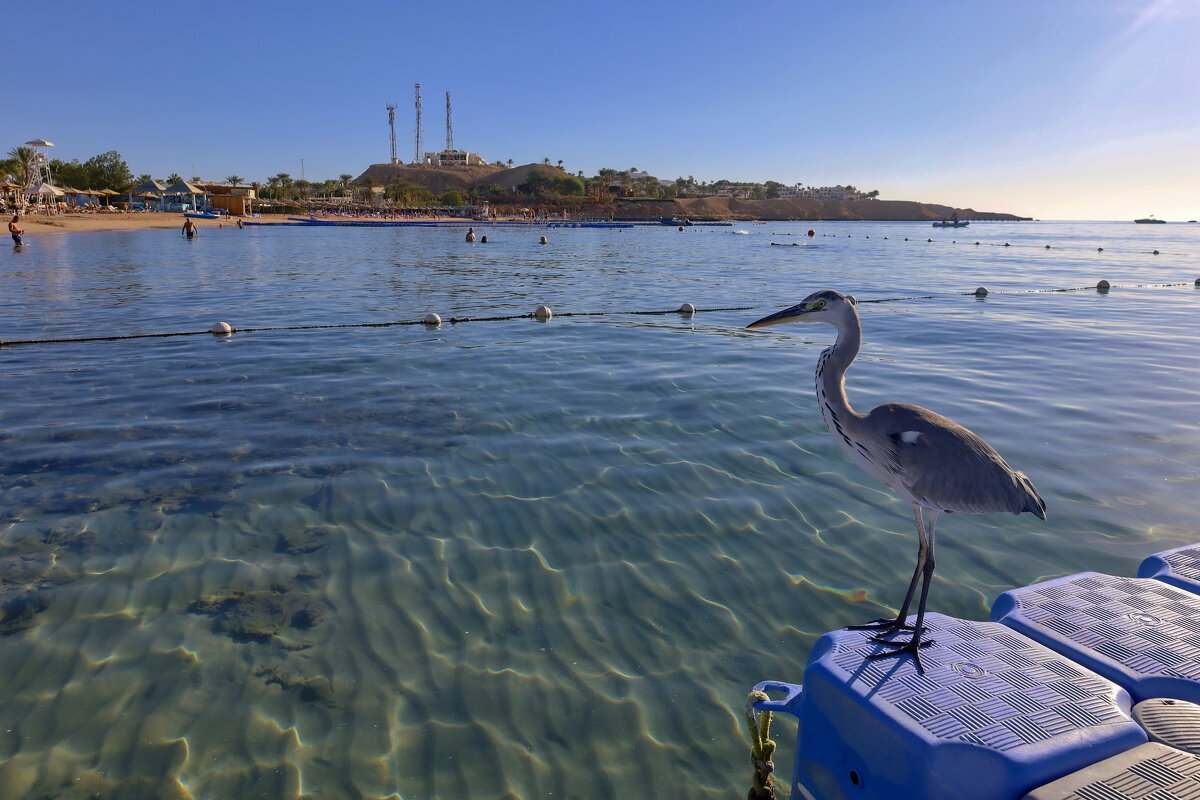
45, 190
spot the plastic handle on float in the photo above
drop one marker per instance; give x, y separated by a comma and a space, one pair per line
790, 704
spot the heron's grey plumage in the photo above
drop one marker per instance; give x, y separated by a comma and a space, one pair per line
929, 460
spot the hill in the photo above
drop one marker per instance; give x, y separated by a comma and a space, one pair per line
439, 179
728, 208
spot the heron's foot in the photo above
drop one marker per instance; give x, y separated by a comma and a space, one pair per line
912, 646
886, 627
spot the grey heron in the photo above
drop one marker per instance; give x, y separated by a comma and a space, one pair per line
930, 461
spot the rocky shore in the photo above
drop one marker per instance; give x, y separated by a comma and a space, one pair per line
728, 208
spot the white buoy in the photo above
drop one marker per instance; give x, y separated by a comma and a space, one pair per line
432, 319
687, 308
543, 312
981, 291
221, 329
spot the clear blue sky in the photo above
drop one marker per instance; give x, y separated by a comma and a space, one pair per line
1081, 109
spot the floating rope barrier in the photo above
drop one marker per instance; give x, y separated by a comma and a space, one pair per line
543, 313
761, 749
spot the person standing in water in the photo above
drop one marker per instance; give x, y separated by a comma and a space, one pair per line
189, 228
15, 229
470, 234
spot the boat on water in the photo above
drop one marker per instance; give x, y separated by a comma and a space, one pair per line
1150, 220
202, 214
675, 221
953, 222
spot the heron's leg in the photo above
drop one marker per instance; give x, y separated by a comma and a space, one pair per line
887, 627
915, 644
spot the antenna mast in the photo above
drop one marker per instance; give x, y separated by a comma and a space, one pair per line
417, 152
449, 127
391, 109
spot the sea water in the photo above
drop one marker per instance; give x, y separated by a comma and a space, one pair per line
502, 559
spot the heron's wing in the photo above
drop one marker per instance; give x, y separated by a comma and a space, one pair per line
942, 465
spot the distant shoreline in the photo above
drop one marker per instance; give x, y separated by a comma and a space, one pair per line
633, 211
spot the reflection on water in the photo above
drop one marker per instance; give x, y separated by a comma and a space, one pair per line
518, 559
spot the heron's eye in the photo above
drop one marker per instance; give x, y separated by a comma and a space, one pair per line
820, 304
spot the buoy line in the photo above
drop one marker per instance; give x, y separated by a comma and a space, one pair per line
543, 313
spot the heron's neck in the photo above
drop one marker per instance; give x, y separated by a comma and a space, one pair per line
831, 373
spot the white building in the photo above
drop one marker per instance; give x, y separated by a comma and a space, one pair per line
454, 158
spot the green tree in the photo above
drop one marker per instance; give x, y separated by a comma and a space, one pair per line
108, 171
23, 157
70, 174
510, 163
283, 184
233, 180
174, 177
8, 167
571, 186
453, 197
773, 188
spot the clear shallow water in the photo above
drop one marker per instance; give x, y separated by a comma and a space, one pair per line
522, 559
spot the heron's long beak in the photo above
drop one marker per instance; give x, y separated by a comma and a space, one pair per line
787, 315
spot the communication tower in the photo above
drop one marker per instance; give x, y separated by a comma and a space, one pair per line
391, 108
449, 127
417, 149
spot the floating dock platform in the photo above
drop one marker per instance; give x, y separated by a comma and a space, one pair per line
1085, 687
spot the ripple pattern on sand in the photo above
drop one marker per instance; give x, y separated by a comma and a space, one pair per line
518, 559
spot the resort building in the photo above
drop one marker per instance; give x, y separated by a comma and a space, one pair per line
233, 200
454, 158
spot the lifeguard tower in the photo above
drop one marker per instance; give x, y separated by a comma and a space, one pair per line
41, 164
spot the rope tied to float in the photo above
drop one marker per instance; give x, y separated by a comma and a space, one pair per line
761, 748
543, 313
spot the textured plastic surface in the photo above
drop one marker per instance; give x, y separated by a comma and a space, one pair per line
1150, 772
994, 716
1179, 567
1141, 633
1175, 723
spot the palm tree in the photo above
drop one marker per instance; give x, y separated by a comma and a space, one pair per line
174, 177
560, 163
283, 183
233, 180
25, 157
510, 163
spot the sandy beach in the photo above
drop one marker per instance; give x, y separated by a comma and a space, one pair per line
35, 224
